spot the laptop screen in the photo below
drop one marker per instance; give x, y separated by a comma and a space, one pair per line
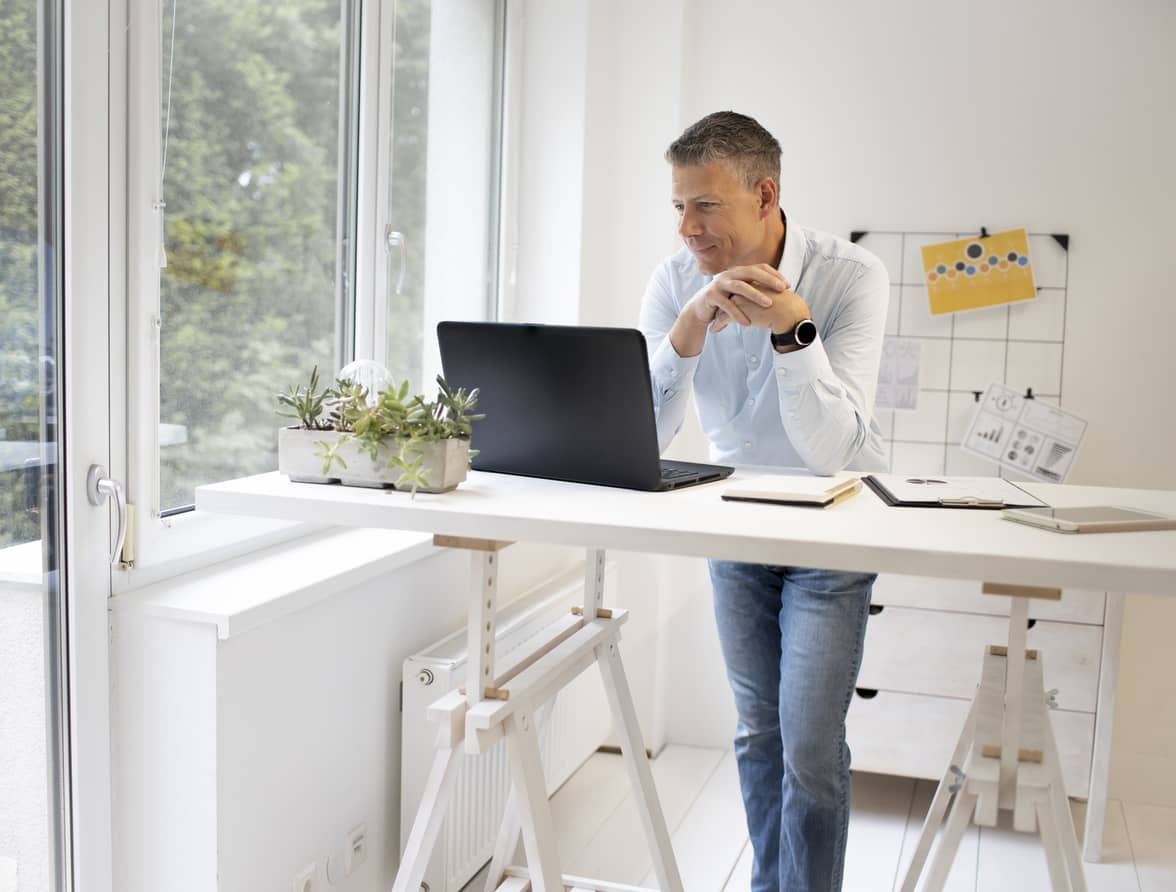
561, 402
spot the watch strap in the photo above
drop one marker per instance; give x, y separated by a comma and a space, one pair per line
802, 334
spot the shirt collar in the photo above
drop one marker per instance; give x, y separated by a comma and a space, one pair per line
792, 260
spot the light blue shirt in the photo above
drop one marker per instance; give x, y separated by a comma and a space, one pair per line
811, 408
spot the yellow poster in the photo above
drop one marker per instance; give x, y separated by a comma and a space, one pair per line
978, 272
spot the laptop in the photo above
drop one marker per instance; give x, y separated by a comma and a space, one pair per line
563, 402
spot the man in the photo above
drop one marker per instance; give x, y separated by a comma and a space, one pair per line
779, 330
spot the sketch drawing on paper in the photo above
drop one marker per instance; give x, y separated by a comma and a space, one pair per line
898, 375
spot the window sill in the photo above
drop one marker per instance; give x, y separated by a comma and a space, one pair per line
252, 590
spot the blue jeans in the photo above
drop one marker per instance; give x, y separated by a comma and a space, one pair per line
792, 640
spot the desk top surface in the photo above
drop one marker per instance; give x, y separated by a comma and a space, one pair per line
859, 534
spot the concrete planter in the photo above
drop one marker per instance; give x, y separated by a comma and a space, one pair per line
297, 458
445, 465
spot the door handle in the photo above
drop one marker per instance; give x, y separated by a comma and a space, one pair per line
394, 239
99, 488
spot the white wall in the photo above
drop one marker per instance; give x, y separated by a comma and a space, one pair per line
551, 145
309, 734
1053, 115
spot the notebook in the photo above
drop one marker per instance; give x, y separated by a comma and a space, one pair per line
950, 492
786, 489
563, 402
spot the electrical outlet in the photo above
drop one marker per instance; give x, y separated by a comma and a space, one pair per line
355, 849
304, 879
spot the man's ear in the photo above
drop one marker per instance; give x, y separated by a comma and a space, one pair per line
768, 194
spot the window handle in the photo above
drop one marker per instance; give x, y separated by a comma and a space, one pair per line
99, 488
394, 239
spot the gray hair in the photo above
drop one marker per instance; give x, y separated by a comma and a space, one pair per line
736, 139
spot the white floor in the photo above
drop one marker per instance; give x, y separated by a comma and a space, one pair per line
600, 837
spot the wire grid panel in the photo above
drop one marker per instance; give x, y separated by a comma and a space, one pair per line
1021, 345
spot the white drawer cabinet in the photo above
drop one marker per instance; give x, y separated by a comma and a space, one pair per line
924, 645
913, 735
964, 596
903, 643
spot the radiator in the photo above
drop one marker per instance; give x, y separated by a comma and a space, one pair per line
579, 722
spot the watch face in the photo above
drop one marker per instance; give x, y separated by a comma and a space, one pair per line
806, 332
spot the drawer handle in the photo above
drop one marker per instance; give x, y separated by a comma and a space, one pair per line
866, 693
875, 609
1032, 623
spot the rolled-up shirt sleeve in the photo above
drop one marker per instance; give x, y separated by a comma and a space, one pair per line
827, 389
670, 374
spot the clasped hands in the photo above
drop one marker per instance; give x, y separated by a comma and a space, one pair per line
756, 296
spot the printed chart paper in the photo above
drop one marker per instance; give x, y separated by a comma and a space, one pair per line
1024, 435
973, 273
898, 376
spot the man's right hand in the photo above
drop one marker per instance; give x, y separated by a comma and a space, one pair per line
713, 306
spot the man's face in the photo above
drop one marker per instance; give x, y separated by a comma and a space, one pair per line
719, 219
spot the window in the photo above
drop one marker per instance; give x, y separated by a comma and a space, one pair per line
309, 181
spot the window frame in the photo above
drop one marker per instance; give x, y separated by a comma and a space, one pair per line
165, 544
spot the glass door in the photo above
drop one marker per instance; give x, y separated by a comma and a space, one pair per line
34, 820
55, 548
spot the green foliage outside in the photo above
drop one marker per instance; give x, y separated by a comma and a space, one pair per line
252, 191
19, 399
248, 295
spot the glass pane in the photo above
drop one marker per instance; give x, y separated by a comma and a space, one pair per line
19, 220
252, 169
31, 737
409, 154
445, 125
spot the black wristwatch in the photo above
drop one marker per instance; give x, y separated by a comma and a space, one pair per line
802, 334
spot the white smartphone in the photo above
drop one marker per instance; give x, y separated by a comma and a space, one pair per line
1092, 519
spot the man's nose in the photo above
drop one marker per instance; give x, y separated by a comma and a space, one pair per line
688, 225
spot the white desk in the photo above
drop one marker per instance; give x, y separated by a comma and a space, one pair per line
862, 534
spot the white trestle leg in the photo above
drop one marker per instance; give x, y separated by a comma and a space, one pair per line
427, 824
1010, 760
509, 703
526, 770
951, 782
